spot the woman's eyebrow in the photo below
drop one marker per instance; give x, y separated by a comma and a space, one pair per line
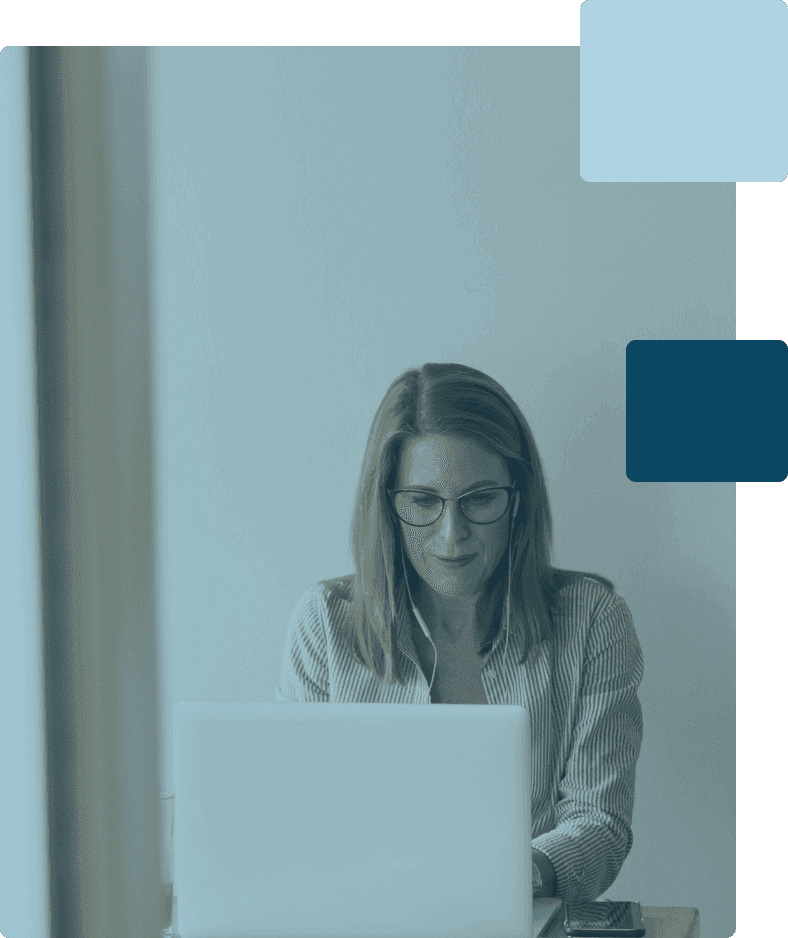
482, 483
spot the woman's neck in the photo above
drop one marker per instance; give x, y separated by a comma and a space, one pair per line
449, 616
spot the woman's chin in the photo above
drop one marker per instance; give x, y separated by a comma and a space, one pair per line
454, 586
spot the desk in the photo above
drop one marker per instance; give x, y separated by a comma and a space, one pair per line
661, 922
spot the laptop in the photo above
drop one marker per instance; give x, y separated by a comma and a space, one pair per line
345, 820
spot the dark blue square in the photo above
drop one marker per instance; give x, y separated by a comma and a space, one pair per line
707, 411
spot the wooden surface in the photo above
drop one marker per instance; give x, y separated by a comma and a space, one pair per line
670, 922
660, 921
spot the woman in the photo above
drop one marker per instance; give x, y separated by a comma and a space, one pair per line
454, 600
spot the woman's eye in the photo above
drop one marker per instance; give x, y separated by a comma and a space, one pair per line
480, 498
424, 501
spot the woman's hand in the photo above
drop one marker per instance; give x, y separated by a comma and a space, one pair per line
544, 880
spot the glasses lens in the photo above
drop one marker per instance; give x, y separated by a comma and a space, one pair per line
486, 506
418, 507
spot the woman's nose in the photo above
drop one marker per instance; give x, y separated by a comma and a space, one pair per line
452, 523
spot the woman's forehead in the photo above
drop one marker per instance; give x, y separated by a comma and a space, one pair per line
449, 461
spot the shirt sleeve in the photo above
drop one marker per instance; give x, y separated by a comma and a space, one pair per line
593, 834
305, 676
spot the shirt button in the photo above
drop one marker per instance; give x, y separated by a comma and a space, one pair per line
492, 673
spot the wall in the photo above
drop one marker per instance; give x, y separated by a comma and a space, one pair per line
326, 218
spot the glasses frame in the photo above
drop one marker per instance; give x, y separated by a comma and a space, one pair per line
510, 490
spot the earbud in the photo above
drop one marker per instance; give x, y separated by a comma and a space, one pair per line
426, 631
422, 623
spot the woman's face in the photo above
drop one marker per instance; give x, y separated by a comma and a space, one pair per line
454, 556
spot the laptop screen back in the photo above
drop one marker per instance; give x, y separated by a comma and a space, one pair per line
375, 820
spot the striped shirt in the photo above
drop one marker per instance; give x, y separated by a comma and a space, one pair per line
580, 689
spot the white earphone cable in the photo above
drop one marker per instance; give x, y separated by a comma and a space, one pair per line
508, 588
418, 616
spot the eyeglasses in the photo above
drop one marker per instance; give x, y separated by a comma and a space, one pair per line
484, 506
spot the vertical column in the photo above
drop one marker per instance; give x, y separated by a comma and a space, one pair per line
90, 248
24, 876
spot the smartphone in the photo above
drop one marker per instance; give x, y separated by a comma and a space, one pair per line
604, 920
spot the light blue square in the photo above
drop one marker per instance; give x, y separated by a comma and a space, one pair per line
683, 90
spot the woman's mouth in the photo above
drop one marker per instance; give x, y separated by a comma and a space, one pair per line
454, 562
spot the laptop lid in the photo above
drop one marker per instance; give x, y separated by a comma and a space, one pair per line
374, 820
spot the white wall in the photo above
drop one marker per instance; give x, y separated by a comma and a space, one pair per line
326, 218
